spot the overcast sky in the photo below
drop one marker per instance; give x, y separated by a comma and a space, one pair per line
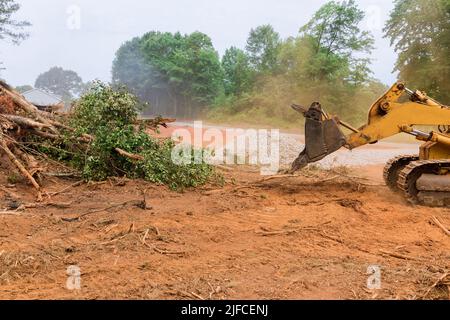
88, 47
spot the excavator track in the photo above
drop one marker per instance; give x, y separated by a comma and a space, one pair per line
393, 169
408, 177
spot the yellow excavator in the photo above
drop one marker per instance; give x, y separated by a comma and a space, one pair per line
422, 179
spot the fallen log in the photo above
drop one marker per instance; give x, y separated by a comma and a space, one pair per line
19, 165
30, 161
9, 213
43, 134
83, 138
129, 155
26, 123
58, 205
25, 105
5, 124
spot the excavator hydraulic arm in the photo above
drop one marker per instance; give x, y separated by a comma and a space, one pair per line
388, 116
423, 178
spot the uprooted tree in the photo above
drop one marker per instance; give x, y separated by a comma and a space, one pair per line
100, 138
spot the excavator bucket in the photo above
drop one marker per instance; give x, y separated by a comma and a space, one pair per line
322, 136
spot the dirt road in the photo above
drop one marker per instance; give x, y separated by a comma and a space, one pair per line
311, 237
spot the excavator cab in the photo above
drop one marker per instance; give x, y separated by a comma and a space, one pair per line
323, 135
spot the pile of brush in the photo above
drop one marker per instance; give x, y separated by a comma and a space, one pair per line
20, 122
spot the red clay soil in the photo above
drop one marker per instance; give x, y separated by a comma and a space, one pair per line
299, 238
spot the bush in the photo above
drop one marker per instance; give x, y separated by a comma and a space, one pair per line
110, 116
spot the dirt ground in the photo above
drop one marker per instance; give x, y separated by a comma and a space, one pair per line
309, 237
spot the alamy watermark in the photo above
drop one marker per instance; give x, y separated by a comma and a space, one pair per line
260, 147
374, 18
73, 278
374, 279
73, 21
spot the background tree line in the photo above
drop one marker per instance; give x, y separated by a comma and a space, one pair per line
328, 60
66, 84
177, 74
420, 32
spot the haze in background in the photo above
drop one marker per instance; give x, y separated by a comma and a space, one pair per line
88, 47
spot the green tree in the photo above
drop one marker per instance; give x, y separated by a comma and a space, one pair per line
178, 74
130, 68
263, 45
420, 32
335, 36
141, 71
336, 67
109, 114
66, 83
203, 73
238, 73
334, 28
326, 62
189, 63
9, 28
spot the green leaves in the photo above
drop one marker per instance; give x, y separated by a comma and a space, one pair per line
241, 69
327, 61
238, 72
420, 31
335, 35
178, 74
335, 29
109, 115
131, 69
263, 46
105, 106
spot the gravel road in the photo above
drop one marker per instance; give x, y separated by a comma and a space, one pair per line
292, 144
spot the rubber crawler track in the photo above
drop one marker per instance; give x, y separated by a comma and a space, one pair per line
396, 164
409, 176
